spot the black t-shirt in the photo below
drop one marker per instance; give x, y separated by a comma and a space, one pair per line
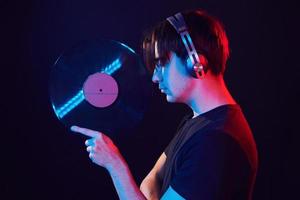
212, 156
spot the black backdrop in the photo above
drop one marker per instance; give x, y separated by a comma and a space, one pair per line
40, 160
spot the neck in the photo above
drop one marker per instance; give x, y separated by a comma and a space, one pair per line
209, 93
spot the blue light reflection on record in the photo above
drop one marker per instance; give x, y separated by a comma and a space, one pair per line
76, 64
79, 97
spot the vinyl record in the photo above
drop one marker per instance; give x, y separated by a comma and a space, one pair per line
101, 85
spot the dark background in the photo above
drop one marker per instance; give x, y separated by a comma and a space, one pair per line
42, 161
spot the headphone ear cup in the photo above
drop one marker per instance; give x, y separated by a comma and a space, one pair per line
197, 70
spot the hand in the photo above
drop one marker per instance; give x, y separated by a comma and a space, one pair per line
102, 150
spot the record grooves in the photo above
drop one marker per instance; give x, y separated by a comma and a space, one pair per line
101, 85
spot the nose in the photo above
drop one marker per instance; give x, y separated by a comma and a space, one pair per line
157, 76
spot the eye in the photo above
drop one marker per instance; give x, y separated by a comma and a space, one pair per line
160, 62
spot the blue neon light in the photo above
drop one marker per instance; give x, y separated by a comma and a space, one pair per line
70, 105
79, 97
114, 66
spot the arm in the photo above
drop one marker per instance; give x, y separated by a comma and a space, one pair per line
124, 182
150, 186
104, 153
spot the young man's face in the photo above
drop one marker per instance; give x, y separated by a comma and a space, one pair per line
173, 79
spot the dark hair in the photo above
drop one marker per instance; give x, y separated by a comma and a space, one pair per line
208, 36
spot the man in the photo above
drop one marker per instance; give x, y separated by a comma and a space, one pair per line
213, 155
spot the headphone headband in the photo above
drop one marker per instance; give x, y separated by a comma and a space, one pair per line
178, 23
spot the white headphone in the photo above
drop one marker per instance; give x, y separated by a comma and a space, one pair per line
196, 69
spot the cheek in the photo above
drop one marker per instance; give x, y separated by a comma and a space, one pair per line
176, 85
175, 78
178, 78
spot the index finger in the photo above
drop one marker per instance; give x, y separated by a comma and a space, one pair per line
85, 131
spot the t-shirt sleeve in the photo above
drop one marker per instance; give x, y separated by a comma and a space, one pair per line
167, 150
212, 166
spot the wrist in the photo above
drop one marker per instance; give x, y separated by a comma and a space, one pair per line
117, 166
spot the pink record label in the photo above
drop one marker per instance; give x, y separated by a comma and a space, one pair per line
100, 90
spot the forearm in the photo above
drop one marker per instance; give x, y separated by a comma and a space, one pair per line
124, 182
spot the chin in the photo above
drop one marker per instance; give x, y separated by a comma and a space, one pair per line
173, 99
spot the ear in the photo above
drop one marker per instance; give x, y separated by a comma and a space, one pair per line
203, 60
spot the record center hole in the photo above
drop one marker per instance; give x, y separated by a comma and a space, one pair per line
100, 90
